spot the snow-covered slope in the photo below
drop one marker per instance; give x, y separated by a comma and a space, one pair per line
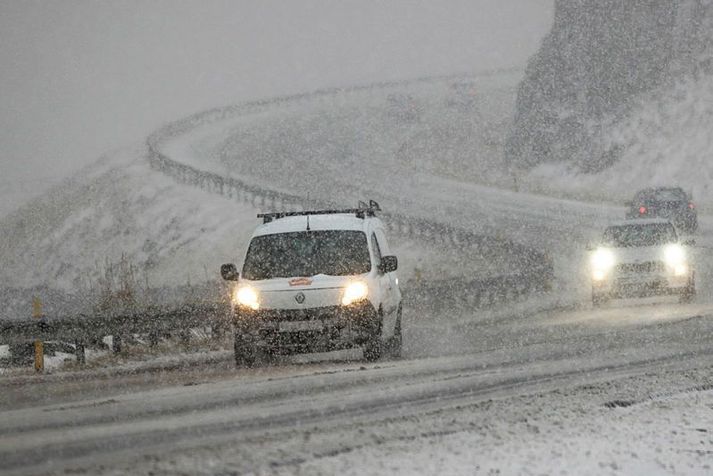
120, 207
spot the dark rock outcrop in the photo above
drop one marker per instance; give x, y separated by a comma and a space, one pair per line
597, 61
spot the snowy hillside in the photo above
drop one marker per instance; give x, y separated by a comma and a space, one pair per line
120, 207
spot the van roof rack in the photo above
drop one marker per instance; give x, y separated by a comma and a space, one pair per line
362, 211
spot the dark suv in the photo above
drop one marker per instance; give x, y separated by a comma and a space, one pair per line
671, 203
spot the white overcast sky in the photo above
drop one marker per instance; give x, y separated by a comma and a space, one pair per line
79, 78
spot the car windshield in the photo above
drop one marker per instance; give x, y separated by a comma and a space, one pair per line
628, 236
307, 253
661, 195
669, 195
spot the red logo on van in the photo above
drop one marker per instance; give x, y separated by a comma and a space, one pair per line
300, 282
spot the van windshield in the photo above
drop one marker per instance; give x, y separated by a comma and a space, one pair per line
627, 236
307, 253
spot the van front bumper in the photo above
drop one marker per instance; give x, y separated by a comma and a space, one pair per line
321, 329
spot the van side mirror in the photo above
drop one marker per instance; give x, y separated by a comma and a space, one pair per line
229, 272
388, 264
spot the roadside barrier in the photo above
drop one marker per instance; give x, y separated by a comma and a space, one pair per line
81, 331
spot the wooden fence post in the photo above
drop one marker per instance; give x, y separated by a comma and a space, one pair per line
39, 345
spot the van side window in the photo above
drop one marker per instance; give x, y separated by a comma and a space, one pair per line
376, 250
381, 240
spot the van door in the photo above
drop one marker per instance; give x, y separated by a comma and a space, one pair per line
387, 282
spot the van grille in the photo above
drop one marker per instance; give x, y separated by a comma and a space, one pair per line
646, 267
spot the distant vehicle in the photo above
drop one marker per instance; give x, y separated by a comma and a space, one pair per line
671, 203
403, 107
462, 95
640, 258
316, 281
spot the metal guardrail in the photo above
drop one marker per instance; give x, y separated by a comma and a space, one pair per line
477, 293
85, 330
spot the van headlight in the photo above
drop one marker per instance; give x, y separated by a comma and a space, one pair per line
246, 296
675, 256
680, 270
354, 292
603, 261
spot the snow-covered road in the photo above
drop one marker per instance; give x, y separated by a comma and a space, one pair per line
261, 420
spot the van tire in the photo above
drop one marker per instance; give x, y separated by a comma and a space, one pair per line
245, 351
689, 293
397, 339
373, 349
374, 346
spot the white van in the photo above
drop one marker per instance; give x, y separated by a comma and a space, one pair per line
316, 281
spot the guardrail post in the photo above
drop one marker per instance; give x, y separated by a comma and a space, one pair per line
185, 337
153, 338
79, 352
39, 345
116, 343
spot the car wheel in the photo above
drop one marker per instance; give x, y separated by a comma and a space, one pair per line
397, 339
598, 299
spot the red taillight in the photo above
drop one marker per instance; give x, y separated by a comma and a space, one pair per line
642, 210
691, 205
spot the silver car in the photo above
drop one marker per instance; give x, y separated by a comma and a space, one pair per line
638, 258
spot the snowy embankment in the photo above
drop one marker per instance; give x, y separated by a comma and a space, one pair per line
120, 207
666, 140
173, 233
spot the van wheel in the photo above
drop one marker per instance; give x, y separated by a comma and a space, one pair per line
689, 294
373, 346
397, 339
245, 351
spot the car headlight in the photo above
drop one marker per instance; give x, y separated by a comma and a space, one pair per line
354, 292
246, 296
599, 275
675, 256
603, 260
